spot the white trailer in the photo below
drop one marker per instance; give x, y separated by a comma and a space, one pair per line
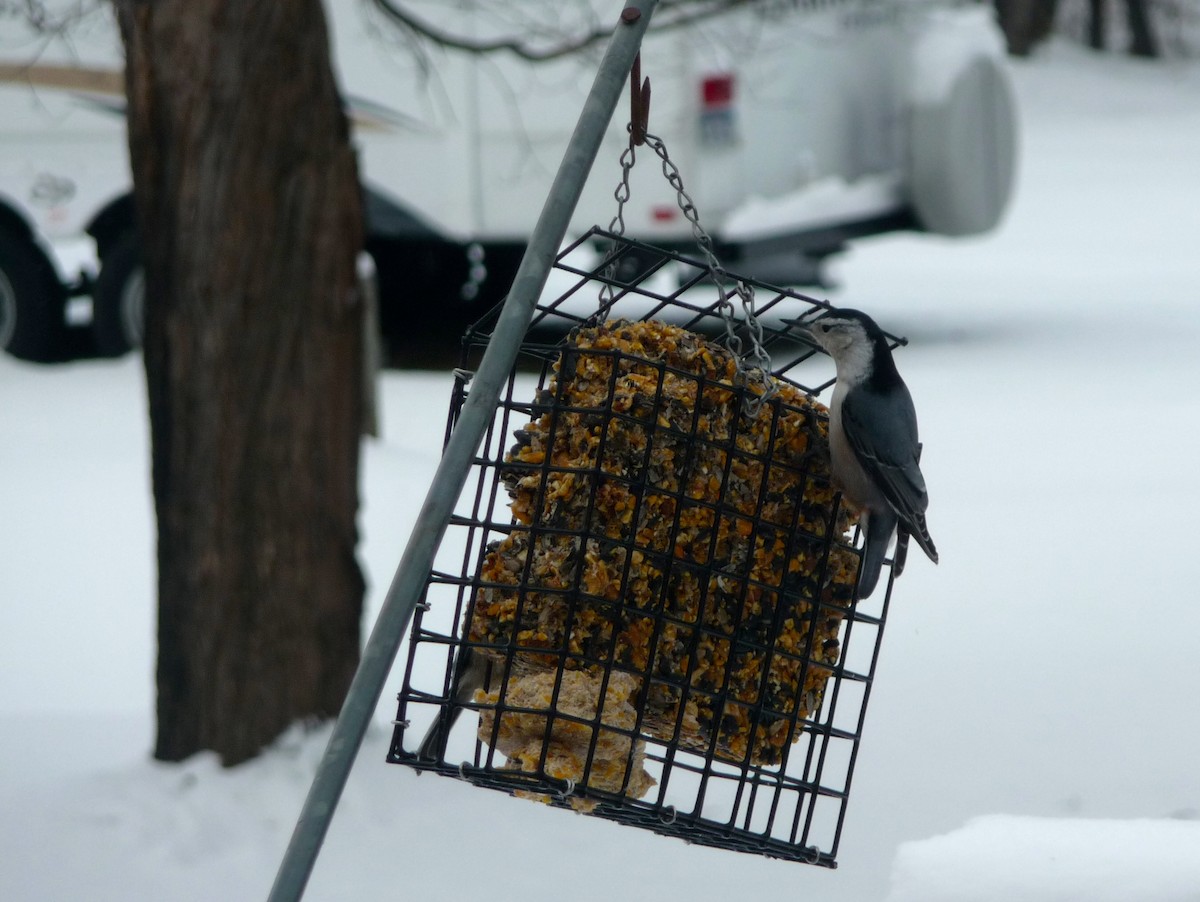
798, 126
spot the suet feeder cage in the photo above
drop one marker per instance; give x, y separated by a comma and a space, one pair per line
650, 568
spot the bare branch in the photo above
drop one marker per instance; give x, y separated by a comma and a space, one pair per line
671, 14
47, 19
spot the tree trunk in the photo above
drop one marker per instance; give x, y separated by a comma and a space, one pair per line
249, 207
1025, 23
1097, 24
1141, 34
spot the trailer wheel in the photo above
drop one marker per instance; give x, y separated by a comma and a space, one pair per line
32, 302
963, 153
119, 299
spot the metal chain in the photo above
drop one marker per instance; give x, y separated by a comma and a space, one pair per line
628, 158
758, 356
617, 226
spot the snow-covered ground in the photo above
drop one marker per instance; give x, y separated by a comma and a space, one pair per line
1034, 728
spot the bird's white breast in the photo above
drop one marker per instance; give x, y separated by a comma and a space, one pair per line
847, 471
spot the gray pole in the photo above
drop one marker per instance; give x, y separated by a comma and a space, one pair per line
477, 412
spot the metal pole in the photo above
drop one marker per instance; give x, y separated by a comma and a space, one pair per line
477, 412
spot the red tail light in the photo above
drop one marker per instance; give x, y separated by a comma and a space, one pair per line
716, 91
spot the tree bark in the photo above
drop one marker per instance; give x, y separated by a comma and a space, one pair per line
1142, 41
251, 218
1097, 24
1025, 23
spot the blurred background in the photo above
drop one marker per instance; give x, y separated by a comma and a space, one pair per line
1012, 186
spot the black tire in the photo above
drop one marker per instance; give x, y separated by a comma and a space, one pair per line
32, 302
119, 299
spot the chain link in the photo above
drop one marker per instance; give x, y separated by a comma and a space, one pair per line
617, 226
628, 158
758, 356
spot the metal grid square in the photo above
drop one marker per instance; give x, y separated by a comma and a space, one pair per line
783, 799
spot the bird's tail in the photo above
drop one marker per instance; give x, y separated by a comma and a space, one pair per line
433, 745
880, 527
900, 555
921, 534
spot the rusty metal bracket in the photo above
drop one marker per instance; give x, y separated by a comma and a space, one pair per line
639, 104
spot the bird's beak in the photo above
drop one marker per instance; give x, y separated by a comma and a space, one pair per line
802, 330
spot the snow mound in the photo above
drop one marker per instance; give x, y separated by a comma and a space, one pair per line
999, 857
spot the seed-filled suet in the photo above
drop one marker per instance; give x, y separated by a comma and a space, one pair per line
678, 564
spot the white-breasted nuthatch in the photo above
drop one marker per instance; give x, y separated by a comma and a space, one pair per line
873, 444
472, 671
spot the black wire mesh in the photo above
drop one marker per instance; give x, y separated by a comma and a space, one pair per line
653, 578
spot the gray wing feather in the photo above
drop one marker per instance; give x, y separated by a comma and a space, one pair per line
882, 430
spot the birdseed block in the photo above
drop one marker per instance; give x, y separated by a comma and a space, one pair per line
678, 570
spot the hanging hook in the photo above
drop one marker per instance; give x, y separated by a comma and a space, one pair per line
566, 791
639, 104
